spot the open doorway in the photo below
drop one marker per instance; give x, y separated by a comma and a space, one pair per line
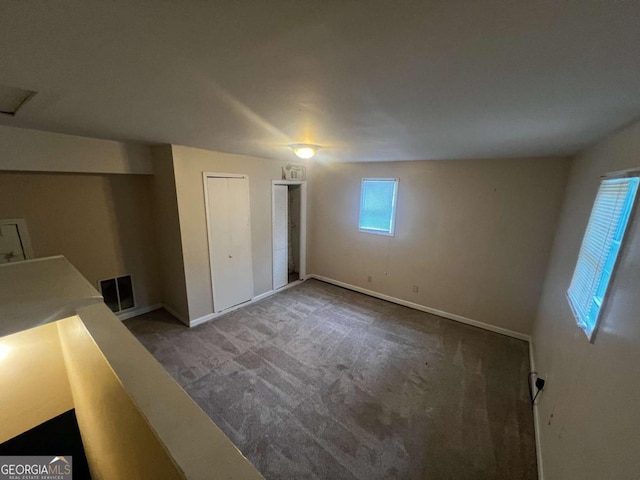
289, 232
293, 259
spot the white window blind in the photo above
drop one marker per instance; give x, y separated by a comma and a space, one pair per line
378, 205
599, 251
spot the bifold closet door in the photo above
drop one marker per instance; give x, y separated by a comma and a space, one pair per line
280, 236
230, 241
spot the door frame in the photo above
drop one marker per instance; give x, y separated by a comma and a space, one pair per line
303, 226
205, 176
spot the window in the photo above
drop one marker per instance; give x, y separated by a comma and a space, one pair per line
378, 205
599, 250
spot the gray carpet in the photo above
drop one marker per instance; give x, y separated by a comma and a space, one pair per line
321, 382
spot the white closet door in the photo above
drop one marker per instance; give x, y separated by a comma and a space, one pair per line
230, 241
280, 236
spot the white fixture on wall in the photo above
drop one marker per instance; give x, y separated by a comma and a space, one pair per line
304, 150
294, 172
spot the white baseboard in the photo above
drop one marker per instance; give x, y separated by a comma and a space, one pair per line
262, 296
134, 312
423, 308
205, 318
536, 418
289, 285
210, 316
457, 318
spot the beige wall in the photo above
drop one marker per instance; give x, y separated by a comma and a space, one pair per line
189, 164
33, 150
102, 223
173, 286
116, 438
33, 380
588, 414
473, 235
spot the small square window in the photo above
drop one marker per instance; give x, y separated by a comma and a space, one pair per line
378, 205
599, 251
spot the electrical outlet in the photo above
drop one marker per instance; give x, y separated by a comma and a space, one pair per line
369, 279
416, 289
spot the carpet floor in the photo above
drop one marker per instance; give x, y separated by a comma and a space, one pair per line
322, 382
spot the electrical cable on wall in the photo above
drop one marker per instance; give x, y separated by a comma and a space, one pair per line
539, 385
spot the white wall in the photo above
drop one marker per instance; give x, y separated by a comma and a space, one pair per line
33, 150
474, 235
189, 164
589, 415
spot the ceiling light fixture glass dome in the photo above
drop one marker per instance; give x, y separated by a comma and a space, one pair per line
304, 150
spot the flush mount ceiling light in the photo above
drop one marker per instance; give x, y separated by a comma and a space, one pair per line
12, 98
304, 150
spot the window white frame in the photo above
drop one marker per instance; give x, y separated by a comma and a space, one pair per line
599, 255
391, 232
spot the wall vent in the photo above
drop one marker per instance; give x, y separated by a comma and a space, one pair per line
118, 293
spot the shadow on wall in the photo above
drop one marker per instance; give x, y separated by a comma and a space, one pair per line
134, 234
102, 223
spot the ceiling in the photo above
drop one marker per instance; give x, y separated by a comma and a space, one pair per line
367, 80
